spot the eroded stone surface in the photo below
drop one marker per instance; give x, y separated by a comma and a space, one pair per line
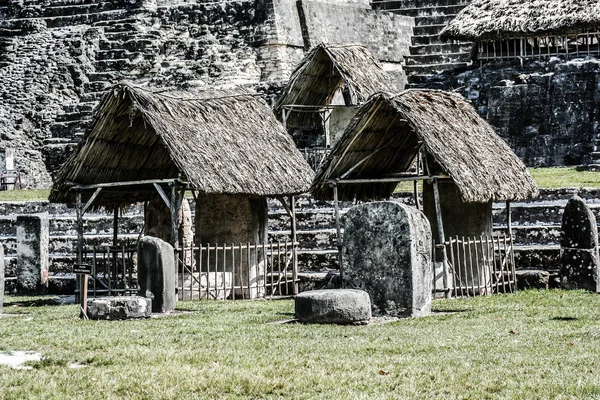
126, 307
580, 266
388, 254
533, 279
333, 306
157, 273
32, 253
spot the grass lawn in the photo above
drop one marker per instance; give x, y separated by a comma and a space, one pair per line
532, 344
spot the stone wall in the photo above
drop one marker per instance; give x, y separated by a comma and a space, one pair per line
58, 57
547, 110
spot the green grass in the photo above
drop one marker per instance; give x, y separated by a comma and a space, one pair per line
533, 344
547, 178
24, 195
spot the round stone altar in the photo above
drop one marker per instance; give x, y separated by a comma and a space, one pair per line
334, 306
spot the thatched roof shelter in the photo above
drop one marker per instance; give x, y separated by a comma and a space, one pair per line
324, 71
387, 134
218, 142
507, 19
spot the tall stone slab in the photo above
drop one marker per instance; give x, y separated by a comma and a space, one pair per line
157, 273
388, 254
580, 267
32, 253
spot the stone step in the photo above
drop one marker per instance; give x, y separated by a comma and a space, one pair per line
433, 68
449, 9
433, 29
113, 65
426, 49
66, 129
427, 39
435, 19
77, 19
437, 59
401, 5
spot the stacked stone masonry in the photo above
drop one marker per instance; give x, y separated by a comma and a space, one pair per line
59, 57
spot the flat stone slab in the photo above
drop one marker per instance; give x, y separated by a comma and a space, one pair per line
533, 279
125, 307
334, 306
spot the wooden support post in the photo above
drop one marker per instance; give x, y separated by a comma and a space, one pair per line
294, 248
339, 233
442, 237
176, 198
416, 191
508, 219
83, 278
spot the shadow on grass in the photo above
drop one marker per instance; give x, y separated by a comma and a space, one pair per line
55, 301
563, 319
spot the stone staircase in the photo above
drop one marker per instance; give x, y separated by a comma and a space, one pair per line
428, 54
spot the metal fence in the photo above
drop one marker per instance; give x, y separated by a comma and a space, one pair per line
539, 47
477, 266
237, 271
113, 270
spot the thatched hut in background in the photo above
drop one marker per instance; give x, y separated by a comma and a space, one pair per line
325, 89
518, 29
224, 146
464, 164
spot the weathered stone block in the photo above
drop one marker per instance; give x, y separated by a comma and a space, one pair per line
388, 254
533, 279
580, 266
157, 273
334, 306
1, 278
126, 307
32, 253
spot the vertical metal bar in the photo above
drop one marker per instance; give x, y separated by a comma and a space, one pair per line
233, 269
255, 257
512, 262
466, 283
224, 271
208, 271
249, 263
271, 262
279, 267
477, 267
457, 267
453, 265
266, 263
442, 239
508, 270
294, 252
216, 286
485, 267
339, 234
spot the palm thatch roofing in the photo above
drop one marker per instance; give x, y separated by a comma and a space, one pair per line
387, 133
326, 69
506, 19
220, 142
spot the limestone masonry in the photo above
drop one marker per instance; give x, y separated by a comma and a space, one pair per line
58, 57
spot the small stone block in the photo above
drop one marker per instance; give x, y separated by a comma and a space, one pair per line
334, 306
533, 279
126, 307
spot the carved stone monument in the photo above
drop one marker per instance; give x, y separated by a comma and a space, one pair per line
32, 253
388, 254
579, 247
156, 273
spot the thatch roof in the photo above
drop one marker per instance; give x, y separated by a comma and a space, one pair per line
221, 142
326, 69
392, 130
504, 19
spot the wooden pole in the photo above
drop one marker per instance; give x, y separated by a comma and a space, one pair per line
508, 219
442, 237
294, 249
83, 278
175, 202
339, 233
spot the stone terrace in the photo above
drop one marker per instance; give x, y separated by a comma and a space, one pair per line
536, 226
